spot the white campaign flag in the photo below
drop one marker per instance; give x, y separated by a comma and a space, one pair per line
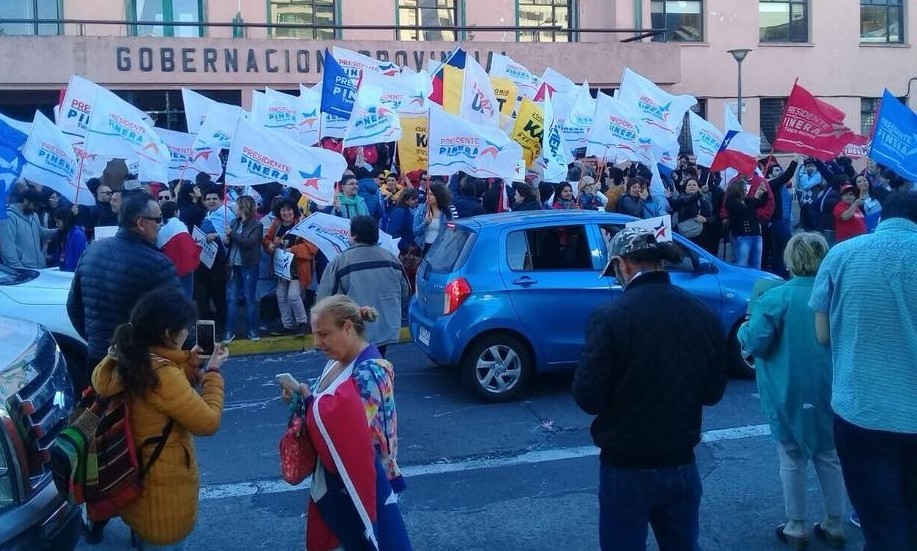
186, 162
116, 130
558, 83
371, 121
310, 119
705, 139
731, 121
260, 156
659, 113
405, 93
196, 106
331, 234
479, 104
578, 122
52, 162
219, 126
480, 151
615, 134
278, 111
526, 83
353, 61
555, 155
661, 226
73, 115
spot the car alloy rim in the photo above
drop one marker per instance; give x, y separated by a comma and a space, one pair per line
498, 369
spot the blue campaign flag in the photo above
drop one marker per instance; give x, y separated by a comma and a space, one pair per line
11, 161
339, 90
894, 143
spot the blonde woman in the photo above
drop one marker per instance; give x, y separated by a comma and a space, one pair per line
794, 381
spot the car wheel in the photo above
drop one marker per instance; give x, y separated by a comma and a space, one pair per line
741, 363
497, 367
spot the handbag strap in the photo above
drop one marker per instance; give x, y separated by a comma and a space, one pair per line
157, 451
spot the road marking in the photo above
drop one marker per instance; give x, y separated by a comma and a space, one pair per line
278, 486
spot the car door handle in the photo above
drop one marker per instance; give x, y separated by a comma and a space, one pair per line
525, 281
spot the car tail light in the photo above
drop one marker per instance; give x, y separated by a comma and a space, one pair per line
457, 291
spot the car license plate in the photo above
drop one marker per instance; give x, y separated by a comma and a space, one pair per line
423, 335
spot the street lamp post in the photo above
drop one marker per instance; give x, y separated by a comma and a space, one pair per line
739, 55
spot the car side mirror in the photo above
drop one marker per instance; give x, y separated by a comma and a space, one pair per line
706, 267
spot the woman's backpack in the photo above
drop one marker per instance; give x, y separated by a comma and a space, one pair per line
95, 461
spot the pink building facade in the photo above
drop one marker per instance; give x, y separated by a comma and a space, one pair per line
844, 51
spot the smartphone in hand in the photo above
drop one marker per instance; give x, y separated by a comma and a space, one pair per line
206, 337
287, 381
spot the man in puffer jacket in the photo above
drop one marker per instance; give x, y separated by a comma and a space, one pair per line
112, 276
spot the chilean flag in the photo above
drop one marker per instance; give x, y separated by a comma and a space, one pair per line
740, 151
448, 81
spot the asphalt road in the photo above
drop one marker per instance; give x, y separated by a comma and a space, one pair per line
521, 475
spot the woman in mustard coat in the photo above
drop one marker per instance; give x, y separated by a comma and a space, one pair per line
146, 361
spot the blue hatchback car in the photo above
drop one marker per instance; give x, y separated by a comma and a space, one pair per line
504, 296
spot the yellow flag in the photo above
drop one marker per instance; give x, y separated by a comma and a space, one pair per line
506, 94
528, 130
412, 147
453, 82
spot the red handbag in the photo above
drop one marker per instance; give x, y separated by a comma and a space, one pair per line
297, 458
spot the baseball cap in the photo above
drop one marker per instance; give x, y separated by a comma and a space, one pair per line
848, 187
628, 241
131, 185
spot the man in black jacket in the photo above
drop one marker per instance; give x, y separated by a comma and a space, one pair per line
467, 204
112, 276
652, 360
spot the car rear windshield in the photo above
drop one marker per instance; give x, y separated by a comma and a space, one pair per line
446, 252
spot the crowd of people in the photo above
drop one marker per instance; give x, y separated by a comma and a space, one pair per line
143, 236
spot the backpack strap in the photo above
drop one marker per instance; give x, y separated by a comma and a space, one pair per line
160, 442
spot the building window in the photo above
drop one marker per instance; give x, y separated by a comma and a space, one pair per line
304, 12
683, 19
427, 13
869, 110
771, 115
783, 20
167, 11
35, 10
546, 13
882, 21
685, 144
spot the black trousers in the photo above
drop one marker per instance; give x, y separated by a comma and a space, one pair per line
210, 294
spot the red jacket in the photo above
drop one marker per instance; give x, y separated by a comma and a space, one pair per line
303, 250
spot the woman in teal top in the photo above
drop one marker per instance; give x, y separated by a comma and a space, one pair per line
794, 382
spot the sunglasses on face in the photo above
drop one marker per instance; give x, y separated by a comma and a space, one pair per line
157, 219
164, 197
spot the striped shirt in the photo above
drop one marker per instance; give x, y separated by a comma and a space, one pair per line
867, 288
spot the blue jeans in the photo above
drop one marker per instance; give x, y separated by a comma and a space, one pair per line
243, 279
880, 471
748, 250
187, 285
666, 499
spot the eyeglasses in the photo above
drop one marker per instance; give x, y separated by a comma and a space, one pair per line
165, 197
157, 219
106, 192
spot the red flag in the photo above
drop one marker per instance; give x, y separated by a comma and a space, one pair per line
812, 127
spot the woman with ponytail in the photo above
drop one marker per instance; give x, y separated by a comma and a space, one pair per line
352, 433
147, 363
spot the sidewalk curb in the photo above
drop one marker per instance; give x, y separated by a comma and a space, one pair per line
274, 345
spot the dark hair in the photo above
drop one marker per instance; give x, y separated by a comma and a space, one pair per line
134, 207
93, 184
735, 189
901, 204
212, 189
406, 195
31, 195
161, 310
545, 191
574, 173
283, 202
525, 190
638, 180
65, 215
169, 209
616, 174
559, 188
185, 190
203, 179
442, 195
467, 186
364, 229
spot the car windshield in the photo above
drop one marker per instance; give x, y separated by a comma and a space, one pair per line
446, 252
15, 276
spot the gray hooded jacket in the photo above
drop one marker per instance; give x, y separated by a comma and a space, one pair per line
21, 236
